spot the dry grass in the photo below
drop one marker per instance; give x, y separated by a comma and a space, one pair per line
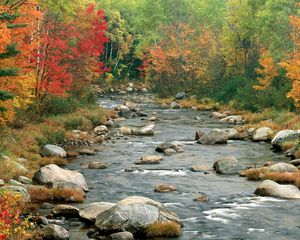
285, 178
288, 145
254, 174
163, 229
9, 171
165, 100
41, 194
53, 160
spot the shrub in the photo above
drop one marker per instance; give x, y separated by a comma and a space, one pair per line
51, 136
163, 229
73, 123
12, 227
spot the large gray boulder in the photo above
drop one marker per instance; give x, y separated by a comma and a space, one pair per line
284, 136
228, 165
50, 150
134, 215
214, 136
273, 189
263, 134
91, 211
54, 232
54, 174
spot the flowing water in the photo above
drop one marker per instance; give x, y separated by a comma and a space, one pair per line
232, 212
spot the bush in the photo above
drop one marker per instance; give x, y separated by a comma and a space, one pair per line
51, 136
73, 123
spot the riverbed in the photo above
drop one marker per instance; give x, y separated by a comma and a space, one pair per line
232, 212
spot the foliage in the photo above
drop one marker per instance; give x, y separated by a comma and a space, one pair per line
51, 136
12, 227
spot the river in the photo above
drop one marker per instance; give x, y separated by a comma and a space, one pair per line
232, 212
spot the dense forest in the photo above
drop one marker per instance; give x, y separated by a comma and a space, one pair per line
58, 57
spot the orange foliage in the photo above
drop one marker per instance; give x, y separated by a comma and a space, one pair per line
292, 63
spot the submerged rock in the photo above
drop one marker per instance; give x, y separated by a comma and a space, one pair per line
273, 189
54, 174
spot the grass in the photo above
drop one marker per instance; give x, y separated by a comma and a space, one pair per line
163, 229
203, 104
42, 194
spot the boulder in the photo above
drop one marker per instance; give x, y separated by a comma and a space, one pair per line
50, 150
214, 136
201, 168
97, 165
164, 188
54, 232
145, 131
181, 95
283, 167
263, 134
17, 190
92, 210
169, 152
273, 189
65, 210
295, 162
54, 174
174, 105
218, 115
150, 160
126, 131
232, 119
236, 134
284, 136
228, 165
162, 147
121, 236
134, 216
87, 151
100, 130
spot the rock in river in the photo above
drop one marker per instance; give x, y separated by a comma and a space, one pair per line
121, 236
273, 189
92, 210
150, 160
164, 188
97, 165
65, 210
53, 174
214, 136
54, 232
162, 147
284, 136
145, 131
263, 134
228, 165
135, 215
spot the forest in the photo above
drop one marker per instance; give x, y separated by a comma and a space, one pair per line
58, 57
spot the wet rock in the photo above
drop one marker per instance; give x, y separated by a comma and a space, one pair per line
283, 167
152, 119
145, 131
100, 130
214, 136
50, 150
232, 119
66, 211
218, 115
126, 131
122, 108
131, 169
91, 211
88, 152
174, 105
54, 232
24, 180
141, 114
201, 168
17, 190
295, 162
162, 147
169, 152
46, 206
263, 134
181, 95
284, 136
41, 220
273, 189
164, 188
150, 160
201, 198
97, 165
134, 214
199, 134
121, 236
228, 165
53, 174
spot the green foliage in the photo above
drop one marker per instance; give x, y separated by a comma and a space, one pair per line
73, 123
51, 136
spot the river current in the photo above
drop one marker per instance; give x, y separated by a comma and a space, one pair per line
232, 212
